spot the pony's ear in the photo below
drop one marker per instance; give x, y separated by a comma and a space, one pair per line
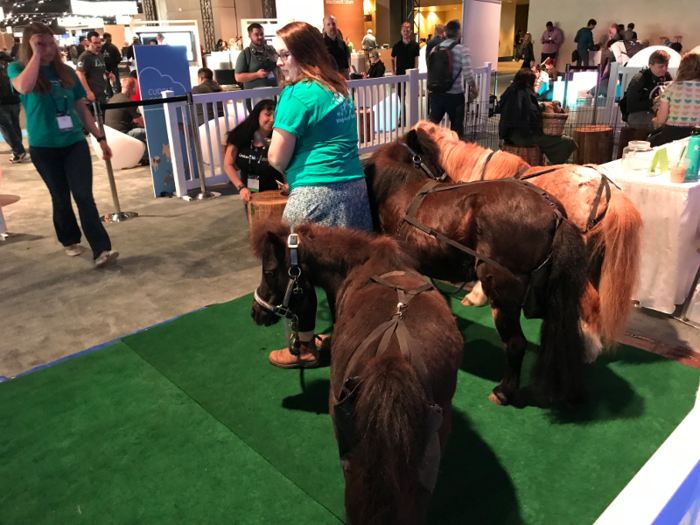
265, 234
413, 141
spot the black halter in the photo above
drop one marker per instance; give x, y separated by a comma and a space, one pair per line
283, 310
419, 164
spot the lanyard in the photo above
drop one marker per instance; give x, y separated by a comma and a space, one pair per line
55, 102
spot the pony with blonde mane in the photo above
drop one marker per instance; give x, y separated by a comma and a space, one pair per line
613, 243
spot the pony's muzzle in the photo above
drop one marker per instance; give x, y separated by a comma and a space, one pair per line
262, 317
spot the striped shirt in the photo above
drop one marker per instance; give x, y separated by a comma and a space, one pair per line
461, 59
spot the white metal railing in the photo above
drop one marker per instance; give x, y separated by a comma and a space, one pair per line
379, 103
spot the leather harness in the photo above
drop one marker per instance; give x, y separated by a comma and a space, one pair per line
344, 409
593, 218
432, 187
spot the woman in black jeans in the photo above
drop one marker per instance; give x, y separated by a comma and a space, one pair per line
54, 102
247, 152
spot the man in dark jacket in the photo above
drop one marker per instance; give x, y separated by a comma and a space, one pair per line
437, 39
337, 48
9, 113
642, 92
584, 41
207, 84
521, 121
112, 59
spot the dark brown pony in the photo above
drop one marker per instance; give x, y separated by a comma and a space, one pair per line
513, 225
384, 480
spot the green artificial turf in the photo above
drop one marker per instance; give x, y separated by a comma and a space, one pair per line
188, 423
106, 439
502, 466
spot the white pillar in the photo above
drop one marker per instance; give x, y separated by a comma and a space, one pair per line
481, 23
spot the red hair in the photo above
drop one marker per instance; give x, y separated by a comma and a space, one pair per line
306, 44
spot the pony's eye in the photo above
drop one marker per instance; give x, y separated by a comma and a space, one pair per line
269, 274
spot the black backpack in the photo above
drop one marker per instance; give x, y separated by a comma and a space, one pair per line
440, 77
632, 47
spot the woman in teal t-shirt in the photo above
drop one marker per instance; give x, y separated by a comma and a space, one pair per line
314, 141
54, 102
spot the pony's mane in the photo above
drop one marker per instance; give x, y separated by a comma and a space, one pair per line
464, 161
390, 168
334, 247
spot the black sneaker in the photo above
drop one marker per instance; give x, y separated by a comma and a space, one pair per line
16, 159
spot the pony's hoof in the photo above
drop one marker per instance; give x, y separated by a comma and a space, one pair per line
498, 399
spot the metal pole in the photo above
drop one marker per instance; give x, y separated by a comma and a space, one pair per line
597, 93
565, 102
119, 215
203, 193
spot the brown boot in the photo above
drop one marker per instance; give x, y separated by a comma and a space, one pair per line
307, 358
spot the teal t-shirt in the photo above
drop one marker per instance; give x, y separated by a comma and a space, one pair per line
325, 127
42, 109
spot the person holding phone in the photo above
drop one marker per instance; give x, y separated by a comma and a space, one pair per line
246, 152
54, 102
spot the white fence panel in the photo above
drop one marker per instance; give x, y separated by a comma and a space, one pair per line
386, 108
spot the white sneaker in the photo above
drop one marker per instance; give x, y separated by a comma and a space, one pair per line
73, 250
106, 257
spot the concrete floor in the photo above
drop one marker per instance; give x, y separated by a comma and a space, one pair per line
176, 257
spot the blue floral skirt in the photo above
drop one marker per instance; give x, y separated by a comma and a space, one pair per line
340, 205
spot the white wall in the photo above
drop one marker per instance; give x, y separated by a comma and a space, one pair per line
652, 18
480, 26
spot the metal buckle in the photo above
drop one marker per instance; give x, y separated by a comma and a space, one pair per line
293, 240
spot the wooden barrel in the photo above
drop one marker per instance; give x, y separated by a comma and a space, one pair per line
532, 155
266, 206
595, 144
629, 134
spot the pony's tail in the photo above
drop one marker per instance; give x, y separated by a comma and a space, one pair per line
558, 376
617, 238
390, 418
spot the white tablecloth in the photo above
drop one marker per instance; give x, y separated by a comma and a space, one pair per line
671, 214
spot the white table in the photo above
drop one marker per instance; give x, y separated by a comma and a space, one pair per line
671, 215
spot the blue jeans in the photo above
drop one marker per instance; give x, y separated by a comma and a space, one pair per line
140, 133
9, 127
68, 171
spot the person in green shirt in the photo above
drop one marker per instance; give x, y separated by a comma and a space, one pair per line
314, 143
584, 42
54, 102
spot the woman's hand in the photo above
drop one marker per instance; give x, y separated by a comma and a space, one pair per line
34, 43
106, 150
245, 195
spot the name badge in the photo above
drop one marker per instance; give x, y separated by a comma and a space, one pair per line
65, 123
253, 184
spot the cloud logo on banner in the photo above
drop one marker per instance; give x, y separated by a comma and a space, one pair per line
151, 76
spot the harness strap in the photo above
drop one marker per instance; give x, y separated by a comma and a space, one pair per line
522, 171
409, 219
396, 326
415, 204
593, 217
488, 159
426, 229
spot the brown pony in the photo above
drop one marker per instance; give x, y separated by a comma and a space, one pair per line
613, 243
540, 259
396, 425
